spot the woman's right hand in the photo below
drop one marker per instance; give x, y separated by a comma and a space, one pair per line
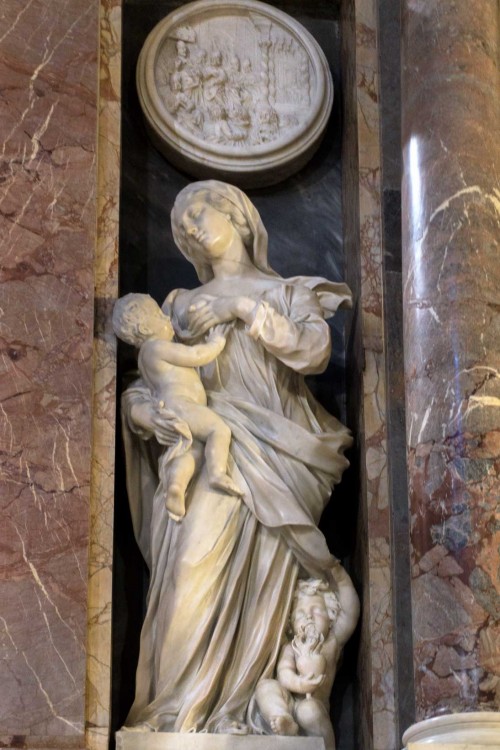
146, 419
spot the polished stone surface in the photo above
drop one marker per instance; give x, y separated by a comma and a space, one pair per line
364, 258
389, 41
166, 741
98, 709
460, 730
389, 17
48, 122
452, 358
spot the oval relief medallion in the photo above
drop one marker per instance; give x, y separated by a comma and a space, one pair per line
234, 89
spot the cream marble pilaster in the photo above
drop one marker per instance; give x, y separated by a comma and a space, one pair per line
104, 397
362, 217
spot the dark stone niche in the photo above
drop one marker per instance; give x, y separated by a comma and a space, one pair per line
303, 216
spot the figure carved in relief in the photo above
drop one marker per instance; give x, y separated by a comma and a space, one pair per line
268, 123
214, 93
228, 572
168, 369
322, 621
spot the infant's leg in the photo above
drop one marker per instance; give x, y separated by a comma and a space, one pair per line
275, 704
313, 718
207, 426
180, 473
217, 454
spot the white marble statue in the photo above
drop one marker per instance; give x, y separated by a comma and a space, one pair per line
321, 622
223, 579
168, 368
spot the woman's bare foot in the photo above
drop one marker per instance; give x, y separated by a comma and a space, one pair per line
175, 502
284, 724
224, 483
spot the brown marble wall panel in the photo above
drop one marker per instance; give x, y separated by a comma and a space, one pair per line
362, 216
48, 84
451, 209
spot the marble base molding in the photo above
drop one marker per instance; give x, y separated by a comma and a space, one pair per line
187, 741
465, 730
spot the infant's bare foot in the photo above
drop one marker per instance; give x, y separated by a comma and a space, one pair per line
224, 483
284, 725
175, 503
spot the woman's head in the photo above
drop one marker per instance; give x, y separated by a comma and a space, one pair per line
232, 204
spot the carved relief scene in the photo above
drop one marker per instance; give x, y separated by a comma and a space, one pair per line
241, 82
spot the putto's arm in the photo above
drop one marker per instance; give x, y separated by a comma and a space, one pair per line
190, 356
349, 603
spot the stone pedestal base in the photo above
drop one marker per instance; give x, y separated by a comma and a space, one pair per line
465, 731
173, 741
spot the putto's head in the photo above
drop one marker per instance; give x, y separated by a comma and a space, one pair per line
315, 606
137, 317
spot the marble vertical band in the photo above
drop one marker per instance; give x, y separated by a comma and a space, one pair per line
104, 394
451, 204
48, 117
363, 238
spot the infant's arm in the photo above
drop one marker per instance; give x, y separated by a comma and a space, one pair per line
189, 356
288, 677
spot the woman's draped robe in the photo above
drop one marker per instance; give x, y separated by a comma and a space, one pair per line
222, 580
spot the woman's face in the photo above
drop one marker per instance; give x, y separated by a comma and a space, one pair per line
207, 229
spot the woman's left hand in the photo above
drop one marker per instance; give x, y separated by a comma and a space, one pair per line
208, 311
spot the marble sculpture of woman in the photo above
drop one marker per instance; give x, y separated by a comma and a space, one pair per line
223, 579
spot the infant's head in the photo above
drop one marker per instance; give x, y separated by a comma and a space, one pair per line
315, 607
137, 317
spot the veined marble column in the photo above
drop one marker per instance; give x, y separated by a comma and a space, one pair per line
451, 206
